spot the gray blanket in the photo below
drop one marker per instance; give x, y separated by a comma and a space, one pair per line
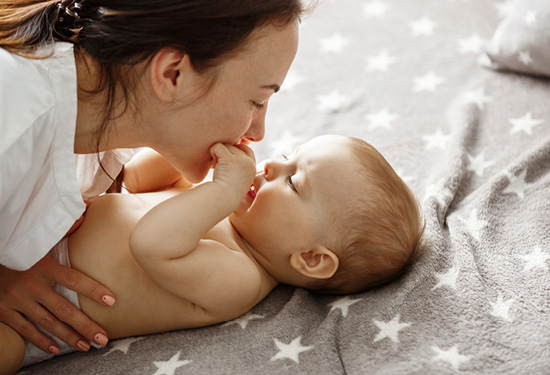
473, 144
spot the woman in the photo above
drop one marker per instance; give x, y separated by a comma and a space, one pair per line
90, 78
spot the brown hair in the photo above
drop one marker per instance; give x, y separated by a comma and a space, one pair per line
118, 34
381, 230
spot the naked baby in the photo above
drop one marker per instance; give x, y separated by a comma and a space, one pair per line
333, 217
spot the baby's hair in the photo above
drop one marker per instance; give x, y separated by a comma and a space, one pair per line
381, 230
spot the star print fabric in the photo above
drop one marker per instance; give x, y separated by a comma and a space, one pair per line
474, 146
521, 43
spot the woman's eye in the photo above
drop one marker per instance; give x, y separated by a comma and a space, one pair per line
291, 184
258, 105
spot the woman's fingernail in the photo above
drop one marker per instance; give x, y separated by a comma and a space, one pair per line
54, 349
101, 339
108, 300
83, 346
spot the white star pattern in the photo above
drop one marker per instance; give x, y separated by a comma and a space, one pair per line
390, 329
285, 144
451, 356
525, 58
504, 8
501, 308
477, 97
375, 8
423, 26
291, 351
122, 345
379, 62
441, 193
474, 225
170, 366
406, 178
381, 119
478, 163
292, 80
536, 259
244, 320
436, 140
448, 278
473, 44
332, 102
530, 18
525, 124
428, 82
343, 304
334, 44
517, 184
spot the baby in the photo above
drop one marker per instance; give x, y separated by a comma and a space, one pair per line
333, 217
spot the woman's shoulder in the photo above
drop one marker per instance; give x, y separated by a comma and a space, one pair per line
31, 90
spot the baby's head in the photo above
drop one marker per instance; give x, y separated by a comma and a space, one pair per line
333, 217
377, 232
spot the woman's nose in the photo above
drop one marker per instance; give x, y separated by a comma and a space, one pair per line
256, 131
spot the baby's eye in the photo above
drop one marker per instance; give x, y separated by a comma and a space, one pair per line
291, 184
284, 156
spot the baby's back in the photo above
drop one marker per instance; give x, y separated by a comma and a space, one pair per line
100, 249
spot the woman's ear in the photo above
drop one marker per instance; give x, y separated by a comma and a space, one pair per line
168, 67
320, 263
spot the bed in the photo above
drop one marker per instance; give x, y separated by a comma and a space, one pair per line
454, 94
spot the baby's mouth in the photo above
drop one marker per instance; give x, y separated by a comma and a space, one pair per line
252, 192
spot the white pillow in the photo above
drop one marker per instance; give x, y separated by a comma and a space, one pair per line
521, 42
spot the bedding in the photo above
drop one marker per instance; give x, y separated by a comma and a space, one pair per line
473, 144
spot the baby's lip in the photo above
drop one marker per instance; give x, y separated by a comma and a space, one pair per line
252, 192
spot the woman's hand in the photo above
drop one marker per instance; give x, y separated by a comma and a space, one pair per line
31, 293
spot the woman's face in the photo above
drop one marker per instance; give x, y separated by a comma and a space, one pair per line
233, 109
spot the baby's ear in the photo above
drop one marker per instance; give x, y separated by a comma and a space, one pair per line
320, 263
168, 67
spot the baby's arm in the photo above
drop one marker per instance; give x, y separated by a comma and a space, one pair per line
150, 171
168, 241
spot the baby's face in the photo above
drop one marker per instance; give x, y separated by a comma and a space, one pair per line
289, 206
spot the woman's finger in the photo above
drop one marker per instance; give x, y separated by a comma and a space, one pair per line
66, 311
76, 281
28, 330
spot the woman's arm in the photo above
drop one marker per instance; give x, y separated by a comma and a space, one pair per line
150, 171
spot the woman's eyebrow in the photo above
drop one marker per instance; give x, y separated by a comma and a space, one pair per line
275, 87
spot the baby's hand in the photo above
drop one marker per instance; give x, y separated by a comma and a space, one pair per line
235, 167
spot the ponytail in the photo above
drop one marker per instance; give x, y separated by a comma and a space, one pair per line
26, 24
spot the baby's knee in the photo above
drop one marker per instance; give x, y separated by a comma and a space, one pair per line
12, 350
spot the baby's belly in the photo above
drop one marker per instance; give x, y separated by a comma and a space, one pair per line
100, 250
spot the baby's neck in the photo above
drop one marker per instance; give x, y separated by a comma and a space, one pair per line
268, 280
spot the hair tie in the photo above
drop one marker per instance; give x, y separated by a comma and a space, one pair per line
66, 27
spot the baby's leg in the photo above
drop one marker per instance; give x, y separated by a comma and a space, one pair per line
12, 350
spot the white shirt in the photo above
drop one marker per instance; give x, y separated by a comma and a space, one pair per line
40, 194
